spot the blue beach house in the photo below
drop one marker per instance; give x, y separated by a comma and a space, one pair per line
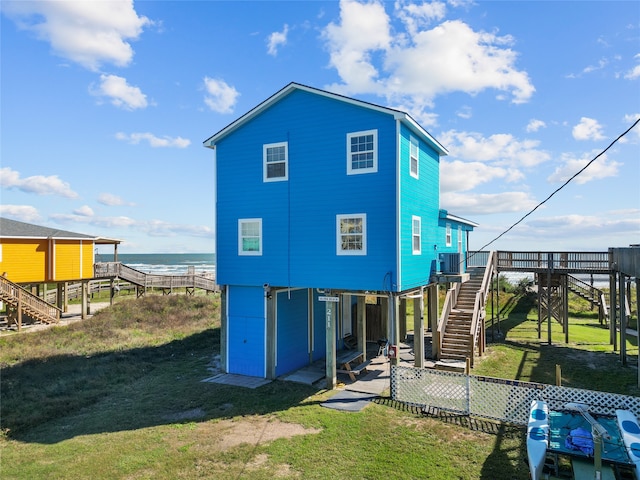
323, 202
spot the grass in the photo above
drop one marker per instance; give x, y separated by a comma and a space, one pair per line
120, 396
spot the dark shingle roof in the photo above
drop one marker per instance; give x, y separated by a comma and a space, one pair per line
15, 229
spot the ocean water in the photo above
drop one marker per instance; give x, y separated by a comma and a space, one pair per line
165, 263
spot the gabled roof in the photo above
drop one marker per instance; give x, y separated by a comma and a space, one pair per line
14, 229
397, 114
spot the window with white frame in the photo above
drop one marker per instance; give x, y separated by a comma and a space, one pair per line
448, 235
414, 156
459, 239
416, 235
362, 152
351, 234
250, 236
275, 162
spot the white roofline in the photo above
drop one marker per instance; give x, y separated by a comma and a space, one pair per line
399, 115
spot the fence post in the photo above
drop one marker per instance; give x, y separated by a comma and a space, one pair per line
558, 376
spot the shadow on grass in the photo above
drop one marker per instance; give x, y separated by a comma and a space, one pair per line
51, 400
513, 313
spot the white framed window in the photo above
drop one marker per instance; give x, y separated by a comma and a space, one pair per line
275, 162
448, 235
416, 235
362, 152
250, 236
459, 239
351, 234
414, 157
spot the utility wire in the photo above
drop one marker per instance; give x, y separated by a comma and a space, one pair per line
562, 186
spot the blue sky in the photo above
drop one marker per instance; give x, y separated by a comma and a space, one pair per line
105, 105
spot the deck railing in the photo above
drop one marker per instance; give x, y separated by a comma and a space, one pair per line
148, 280
569, 262
477, 332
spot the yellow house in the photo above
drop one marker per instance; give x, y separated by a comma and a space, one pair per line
30, 254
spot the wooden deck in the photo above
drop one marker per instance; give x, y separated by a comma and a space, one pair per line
537, 262
146, 280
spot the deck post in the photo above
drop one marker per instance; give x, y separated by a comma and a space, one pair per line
223, 327
549, 266
565, 306
270, 303
432, 318
361, 322
623, 319
418, 329
613, 311
330, 314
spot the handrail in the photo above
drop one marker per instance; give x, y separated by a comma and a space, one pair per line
476, 330
519, 261
31, 304
449, 302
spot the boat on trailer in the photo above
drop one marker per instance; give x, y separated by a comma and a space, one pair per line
573, 443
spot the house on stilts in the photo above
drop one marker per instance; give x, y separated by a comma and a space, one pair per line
325, 202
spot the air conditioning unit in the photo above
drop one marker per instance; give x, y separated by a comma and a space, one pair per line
450, 263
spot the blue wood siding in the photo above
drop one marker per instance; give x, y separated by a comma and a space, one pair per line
419, 197
299, 215
246, 331
292, 331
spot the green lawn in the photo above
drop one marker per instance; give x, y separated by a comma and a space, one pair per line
120, 396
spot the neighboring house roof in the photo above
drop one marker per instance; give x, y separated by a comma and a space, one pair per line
397, 114
455, 218
14, 229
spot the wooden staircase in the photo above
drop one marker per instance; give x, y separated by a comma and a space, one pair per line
457, 340
21, 302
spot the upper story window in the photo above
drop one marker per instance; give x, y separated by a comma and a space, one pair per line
275, 162
416, 235
414, 157
250, 236
459, 239
362, 152
448, 235
351, 234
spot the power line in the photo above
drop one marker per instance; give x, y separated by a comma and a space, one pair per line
563, 185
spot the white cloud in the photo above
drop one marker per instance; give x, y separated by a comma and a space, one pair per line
122, 94
363, 29
459, 176
22, 213
486, 203
113, 200
534, 125
419, 63
84, 211
88, 33
601, 168
587, 129
156, 142
277, 39
500, 148
464, 112
38, 184
635, 71
220, 96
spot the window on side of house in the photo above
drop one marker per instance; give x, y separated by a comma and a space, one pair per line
351, 234
250, 236
416, 235
362, 152
459, 239
448, 235
414, 158
275, 162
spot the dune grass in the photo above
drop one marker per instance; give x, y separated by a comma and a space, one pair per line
120, 396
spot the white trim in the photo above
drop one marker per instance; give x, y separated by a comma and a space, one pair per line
267, 146
242, 252
374, 167
447, 235
414, 141
398, 218
339, 249
415, 251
